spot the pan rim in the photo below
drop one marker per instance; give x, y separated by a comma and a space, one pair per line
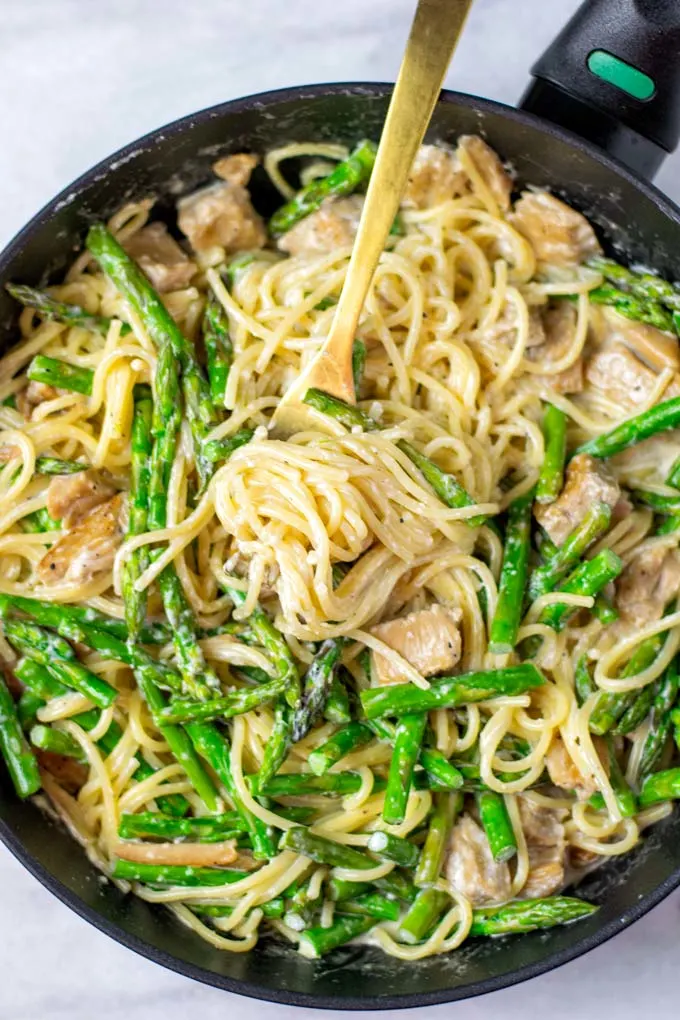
9, 837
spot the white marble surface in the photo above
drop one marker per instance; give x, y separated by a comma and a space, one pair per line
78, 78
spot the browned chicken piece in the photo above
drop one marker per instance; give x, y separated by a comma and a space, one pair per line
69, 773
436, 176
33, 395
221, 215
161, 258
563, 771
429, 639
193, 855
588, 481
618, 374
332, 226
490, 168
71, 497
470, 867
236, 169
657, 349
580, 858
646, 585
559, 329
544, 832
87, 549
557, 233
536, 335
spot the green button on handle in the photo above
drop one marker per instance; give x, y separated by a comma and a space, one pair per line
623, 76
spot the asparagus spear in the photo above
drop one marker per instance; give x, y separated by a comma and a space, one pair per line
660, 723
200, 679
28, 706
372, 904
50, 614
604, 610
609, 707
393, 848
583, 683
649, 423
315, 687
637, 711
58, 656
315, 942
394, 884
496, 823
222, 449
513, 576
346, 740
358, 362
325, 851
156, 825
39, 522
551, 478
343, 180
449, 692
277, 747
219, 350
54, 466
444, 485
140, 470
649, 311
660, 786
275, 644
446, 806
662, 504
440, 769
675, 722
625, 798
528, 915
422, 915
174, 874
647, 286
272, 908
59, 311
302, 784
588, 579
53, 372
212, 746
337, 707
408, 739
47, 738
237, 702
595, 522
19, 759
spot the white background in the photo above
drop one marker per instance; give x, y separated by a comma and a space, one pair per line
78, 79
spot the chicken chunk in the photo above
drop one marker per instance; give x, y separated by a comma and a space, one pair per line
490, 168
332, 226
161, 258
563, 771
436, 176
658, 350
87, 549
470, 867
648, 583
429, 639
71, 497
236, 169
221, 215
546, 847
559, 330
588, 481
33, 395
618, 374
190, 855
557, 233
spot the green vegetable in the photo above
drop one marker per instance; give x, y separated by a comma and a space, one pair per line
278, 745
358, 362
393, 848
660, 723
47, 738
528, 915
222, 449
649, 423
316, 687
18, 757
372, 904
275, 645
315, 942
407, 743
343, 180
588, 579
156, 825
219, 350
650, 312
54, 466
445, 808
174, 874
53, 372
660, 786
595, 522
325, 851
513, 578
422, 915
444, 485
59, 311
346, 740
451, 691
609, 707
140, 470
551, 478
496, 823
238, 701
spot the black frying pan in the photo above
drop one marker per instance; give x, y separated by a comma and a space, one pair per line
632, 215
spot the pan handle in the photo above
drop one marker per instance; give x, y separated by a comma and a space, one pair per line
612, 76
